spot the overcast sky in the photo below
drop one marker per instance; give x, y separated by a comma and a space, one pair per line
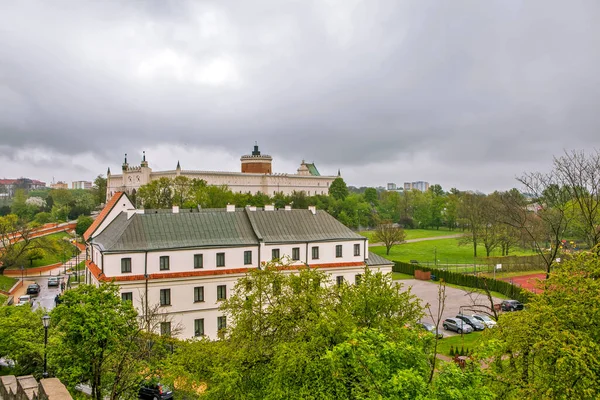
467, 94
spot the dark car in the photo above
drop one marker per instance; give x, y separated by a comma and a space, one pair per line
511, 305
155, 391
457, 325
33, 289
431, 328
476, 325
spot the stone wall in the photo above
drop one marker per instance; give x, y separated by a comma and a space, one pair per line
27, 388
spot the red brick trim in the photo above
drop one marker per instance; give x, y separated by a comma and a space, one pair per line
189, 274
31, 271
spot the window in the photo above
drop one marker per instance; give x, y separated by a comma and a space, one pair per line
198, 294
221, 323
198, 261
164, 263
357, 249
357, 279
339, 280
275, 254
221, 292
338, 250
220, 259
165, 329
247, 257
127, 296
165, 297
199, 327
296, 253
125, 265
315, 253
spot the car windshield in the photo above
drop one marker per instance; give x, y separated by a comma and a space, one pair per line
484, 318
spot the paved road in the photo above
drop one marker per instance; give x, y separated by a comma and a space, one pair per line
456, 299
47, 294
424, 239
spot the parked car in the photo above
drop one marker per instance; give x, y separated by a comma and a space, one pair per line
511, 305
33, 289
475, 324
155, 391
53, 281
456, 325
484, 319
431, 328
25, 299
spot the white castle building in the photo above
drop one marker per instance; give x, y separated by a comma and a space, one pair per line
256, 176
185, 262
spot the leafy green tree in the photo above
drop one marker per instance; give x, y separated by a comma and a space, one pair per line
17, 243
22, 339
390, 235
371, 196
550, 349
83, 223
338, 189
96, 338
156, 194
99, 189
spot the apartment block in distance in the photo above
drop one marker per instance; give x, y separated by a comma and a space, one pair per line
186, 261
419, 185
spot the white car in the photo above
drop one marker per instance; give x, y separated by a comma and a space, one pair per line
484, 319
25, 299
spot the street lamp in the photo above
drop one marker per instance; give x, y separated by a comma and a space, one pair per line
22, 269
46, 322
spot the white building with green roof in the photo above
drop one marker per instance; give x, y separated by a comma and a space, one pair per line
186, 261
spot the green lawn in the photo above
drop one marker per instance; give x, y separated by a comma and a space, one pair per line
2, 299
447, 251
398, 276
6, 282
417, 233
53, 258
469, 340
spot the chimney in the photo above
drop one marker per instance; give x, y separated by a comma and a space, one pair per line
288, 208
251, 208
312, 209
175, 209
269, 207
230, 207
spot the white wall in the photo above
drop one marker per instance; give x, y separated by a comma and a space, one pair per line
326, 252
180, 260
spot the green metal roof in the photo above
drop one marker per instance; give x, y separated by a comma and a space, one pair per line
284, 226
312, 168
219, 228
377, 260
168, 231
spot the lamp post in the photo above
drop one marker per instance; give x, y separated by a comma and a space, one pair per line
46, 322
22, 268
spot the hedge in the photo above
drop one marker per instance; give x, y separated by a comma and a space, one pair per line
472, 281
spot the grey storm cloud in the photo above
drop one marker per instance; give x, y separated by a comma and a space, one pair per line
485, 84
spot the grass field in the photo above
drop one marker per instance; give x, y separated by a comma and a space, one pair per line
469, 340
417, 233
447, 251
53, 258
6, 282
398, 276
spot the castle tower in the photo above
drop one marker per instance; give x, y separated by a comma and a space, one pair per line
256, 163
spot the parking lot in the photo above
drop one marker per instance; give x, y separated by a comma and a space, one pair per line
456, 299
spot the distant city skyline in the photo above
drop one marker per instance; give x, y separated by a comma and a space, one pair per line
464, 94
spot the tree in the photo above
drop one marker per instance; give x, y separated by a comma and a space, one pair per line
83, 223
388, 234
17, 243
579, 173
471, 212
21, 338
370, 196
338, 189
99, 189
550, 349
96, 338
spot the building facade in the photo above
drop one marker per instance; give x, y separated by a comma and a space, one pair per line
9, 186
81, 185
256, 176
419, 185
185, 262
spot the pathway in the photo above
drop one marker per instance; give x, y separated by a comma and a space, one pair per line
457, 235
